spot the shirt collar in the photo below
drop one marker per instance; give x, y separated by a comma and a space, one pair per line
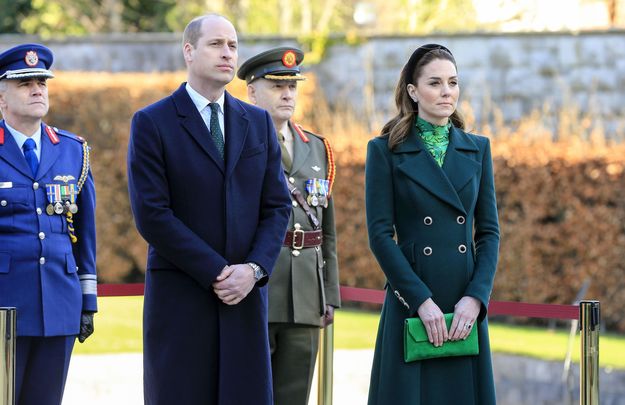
20, 137
200, 101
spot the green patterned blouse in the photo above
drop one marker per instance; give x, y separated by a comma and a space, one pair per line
435, 138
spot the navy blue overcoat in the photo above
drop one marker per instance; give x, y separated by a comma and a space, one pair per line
435, 234
198, 213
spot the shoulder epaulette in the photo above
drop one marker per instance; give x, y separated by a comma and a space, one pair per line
67, 134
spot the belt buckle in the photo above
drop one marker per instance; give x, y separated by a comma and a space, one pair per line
297, 231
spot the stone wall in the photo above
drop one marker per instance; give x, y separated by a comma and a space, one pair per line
523, 380
513, 73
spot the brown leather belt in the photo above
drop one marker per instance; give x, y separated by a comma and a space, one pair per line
299, 239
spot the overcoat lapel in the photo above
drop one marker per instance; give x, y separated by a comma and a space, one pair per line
301, 150
237, 125
194, 125
459, 166
49, 154
13, 154
421, 167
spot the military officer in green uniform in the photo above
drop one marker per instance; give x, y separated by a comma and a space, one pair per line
304, 286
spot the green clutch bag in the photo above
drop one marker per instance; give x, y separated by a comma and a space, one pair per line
418, 347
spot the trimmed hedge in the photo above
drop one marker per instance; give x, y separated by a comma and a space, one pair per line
561, 204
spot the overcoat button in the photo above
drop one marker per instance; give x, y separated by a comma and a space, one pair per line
291, 180
3, 203
39, 211
42, 260
427, 250
295, 253
35, 186
42, 235
427, 220
294, 203
462, 248
460, 219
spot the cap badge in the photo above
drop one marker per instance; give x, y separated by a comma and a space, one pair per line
31, 58
288, 59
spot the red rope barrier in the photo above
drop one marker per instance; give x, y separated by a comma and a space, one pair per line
367, 295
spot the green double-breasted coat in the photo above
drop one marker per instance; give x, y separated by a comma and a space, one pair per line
303, 283
435, 234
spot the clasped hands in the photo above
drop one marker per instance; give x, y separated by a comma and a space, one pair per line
234, 283
465, 314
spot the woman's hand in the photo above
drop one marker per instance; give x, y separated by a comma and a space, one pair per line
434, 322
465, 314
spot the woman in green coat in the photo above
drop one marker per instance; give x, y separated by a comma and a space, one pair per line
433, 227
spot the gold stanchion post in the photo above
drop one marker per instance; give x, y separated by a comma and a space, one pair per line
325, 365
7, 355
589, 320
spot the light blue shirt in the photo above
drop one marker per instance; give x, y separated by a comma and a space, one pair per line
201, 103
20, 138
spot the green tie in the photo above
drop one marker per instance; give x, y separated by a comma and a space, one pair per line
215, 129
286, 157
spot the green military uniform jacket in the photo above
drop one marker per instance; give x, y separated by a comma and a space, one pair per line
304, 281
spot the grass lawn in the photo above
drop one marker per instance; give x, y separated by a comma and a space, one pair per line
118, 330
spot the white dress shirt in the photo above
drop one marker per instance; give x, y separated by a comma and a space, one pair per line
201, 103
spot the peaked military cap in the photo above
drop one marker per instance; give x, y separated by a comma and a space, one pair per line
275, 64
25, 61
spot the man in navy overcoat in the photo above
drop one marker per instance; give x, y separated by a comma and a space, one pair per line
208, 195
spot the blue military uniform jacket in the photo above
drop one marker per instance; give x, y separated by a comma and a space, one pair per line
49, 279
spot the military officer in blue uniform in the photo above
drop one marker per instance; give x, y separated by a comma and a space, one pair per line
304, 286
47, 228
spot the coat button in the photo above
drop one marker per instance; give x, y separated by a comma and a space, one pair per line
397, 294
427, 220
462, 248
295, 253
294, 203
427, 251
3, 203
291, 180
42, 260
39, 211
460, 219
35, 186
42, 235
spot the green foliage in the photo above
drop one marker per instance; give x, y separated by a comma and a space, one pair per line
13, 11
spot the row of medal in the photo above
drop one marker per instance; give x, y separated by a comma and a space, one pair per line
61, 199
317, 192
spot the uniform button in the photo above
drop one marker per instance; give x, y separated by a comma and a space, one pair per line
397, 293
42, 260
39, 211
35, 186
291, 180
460, 219
462, 248
427, 250
295, 253
294, 203
42, 235
427, 220
3, 203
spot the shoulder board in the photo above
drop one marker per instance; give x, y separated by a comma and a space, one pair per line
67, 134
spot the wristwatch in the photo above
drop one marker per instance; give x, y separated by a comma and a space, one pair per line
258, 271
